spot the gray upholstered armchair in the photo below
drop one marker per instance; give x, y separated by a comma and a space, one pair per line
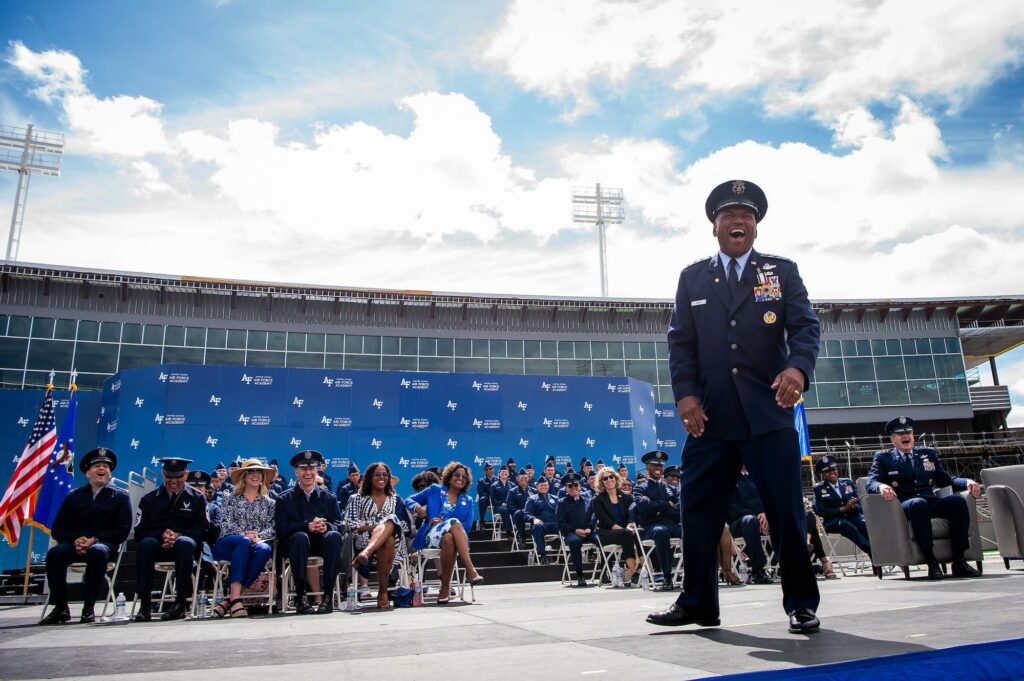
893, 543
1005, 490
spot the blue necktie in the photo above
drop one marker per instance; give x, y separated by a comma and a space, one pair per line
734, 274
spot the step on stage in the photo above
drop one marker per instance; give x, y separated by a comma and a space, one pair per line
522, 629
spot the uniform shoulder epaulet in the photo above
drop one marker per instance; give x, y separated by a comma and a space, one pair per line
776, 257
701, 261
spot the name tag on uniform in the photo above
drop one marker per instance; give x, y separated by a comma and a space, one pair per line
695, 303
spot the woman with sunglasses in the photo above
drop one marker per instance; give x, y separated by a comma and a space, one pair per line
614, 526
377, 518
447, 509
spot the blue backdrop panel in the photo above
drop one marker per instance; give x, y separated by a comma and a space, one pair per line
671, 435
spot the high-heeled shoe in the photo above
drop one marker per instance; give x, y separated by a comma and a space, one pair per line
731, 578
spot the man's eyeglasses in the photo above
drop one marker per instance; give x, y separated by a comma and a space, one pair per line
572, 484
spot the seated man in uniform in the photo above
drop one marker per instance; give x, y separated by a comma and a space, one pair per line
540, 515
657, 511
747, 519
499, 499
308, 523
349, 486
172, 525
554, 482
517, 498
91, 524
836, 502
672, 475
483, 493
576, 523
911, 474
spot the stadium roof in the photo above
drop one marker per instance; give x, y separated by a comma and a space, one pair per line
989, 325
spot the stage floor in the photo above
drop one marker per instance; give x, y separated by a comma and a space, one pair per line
537, 630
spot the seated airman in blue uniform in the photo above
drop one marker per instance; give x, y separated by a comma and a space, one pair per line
539, 514
499, 498
912, 474
554, 482
657, 511
517, 498
308, 522
747, 519
172, 525
91, 524
483, 492
837, 503
349, 486
576, 523
672, 475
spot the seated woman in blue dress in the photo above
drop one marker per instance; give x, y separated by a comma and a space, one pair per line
246, 522
448, 511
377, 517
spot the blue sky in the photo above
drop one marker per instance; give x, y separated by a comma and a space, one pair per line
435, 145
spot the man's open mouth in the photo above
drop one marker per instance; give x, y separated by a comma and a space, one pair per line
737, 233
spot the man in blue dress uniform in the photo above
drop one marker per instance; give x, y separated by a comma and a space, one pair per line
540, 515
349, 486
483, 492
912, 474
657, 511
837, 503
516, 500
743, 341
747, 519
172, 524
576, 523
499, 498
91, 524
554, 482
308, 522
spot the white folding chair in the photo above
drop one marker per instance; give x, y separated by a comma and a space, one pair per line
587, 549
223, 572
609, 554
677, 554
458, 578
168, 590
149, 480
548, 549
110, 575
647, 548
288, 584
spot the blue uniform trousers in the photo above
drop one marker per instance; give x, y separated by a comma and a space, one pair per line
482, 506
920, 512
539, 530
710, 469
247, 559
853, 528
302, 544
61, 556
506, 518
575, 544
183, 553
662, 532
519, 520
749, 527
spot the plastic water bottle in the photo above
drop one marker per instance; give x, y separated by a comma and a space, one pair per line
417, 594
531, 559
618, 577
351, 603
119, 613
204, 606
742, 570
645, 581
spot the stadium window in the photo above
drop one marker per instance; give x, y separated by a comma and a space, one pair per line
909, 346
541, 366
408, 346
296, 342
39, 379
919, 367
832, 395
609, 367
498, 348
890, 369
335, 342
215, 338
353, 345
91, 381
953, 345
314, 342
923, 392
614, 350
50, 354
878, 348
507, 366
19, 326
110, 332
12, 378
863, 348
599, 349
276, 340
665, 394
257, 340
183, 355
515, 349
549, 349
195, 336
3, 325
664, 373
829, 370
582, 349
65, 329
631, 350
237, 339
859, 369
389, 345
152, 334
471, 365
642, 370
131, 333
362, 361
531, 349
949, 366
371, 345
260, 358
849, 348
938, 346
810, 397
334, 361
953, 390
463, 347
87, 330
445, 347
42, 327
446, 364
833, 348
305, 360
12, 353
134, 356
175, 336
863, 393
217, 357
481, 348
96, 357
399, 363
893, 392
427, 347
662, 349
924, 346
648, 351
565, 350
893, 348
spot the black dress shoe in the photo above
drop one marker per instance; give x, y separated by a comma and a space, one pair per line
935, 571
803, 621
543, 560
302, 607
581, 583
144, 614
676, 616
58, 615
761, 577
962, 569
88, 617
326, 606
177, 612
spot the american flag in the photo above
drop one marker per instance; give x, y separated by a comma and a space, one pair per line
18, 502
59, 479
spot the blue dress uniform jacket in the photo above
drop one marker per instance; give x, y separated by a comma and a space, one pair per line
543, 508
108, 516
827, 502
345, 490
185, 514
574, 514
745, 500
500, 491
483, 487
293, 511
651, 500
918, 478
765, 328
517, 498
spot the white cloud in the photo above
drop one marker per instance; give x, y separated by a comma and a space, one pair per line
120, 126
829, 57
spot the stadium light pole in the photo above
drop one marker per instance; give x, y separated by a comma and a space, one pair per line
601, 206
27, 152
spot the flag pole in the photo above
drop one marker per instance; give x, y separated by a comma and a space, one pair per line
32, 527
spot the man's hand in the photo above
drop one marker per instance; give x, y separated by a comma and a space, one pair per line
762, 520
317, 526
788, 386
888, 493
692, 414
83, 543
974, 488
536, 521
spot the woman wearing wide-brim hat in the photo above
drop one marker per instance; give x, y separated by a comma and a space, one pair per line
246, 523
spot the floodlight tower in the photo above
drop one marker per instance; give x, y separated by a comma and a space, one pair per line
27, 152
601, 206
